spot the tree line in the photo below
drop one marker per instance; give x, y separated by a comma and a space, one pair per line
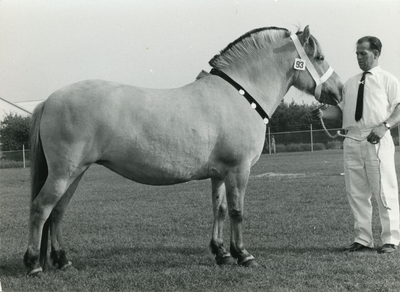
288, 117
14, 131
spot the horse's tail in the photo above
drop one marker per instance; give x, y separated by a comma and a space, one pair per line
39, 173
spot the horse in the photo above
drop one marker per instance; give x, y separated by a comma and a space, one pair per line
213, 128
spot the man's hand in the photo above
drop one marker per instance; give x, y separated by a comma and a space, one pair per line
318, 112
376, 134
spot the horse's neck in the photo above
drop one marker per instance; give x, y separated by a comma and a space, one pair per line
267, 86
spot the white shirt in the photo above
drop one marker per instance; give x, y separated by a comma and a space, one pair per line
381, 95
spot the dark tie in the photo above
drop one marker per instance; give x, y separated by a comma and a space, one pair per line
360, 97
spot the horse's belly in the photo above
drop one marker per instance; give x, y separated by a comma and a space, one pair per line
155, 171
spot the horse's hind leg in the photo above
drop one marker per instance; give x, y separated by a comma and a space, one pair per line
222, 256
236, 183
58, 253
41, 208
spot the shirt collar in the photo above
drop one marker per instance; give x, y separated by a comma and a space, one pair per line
374, 70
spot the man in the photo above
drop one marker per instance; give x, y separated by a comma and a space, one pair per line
369, 149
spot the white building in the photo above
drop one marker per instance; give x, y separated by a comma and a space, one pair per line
24, 108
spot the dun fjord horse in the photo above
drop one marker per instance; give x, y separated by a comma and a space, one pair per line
212, 128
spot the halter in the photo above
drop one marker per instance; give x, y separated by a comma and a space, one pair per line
300, 64
304, 60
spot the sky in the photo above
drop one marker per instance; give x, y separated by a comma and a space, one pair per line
47, 44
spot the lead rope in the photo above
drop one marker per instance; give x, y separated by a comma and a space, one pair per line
338, 134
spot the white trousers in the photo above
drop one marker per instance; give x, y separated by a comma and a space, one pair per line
370, 170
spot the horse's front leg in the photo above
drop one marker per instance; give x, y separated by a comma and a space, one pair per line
222, 256
236, 183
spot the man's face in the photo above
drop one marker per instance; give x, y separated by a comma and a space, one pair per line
365, 56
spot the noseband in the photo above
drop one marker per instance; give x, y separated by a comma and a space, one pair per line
304, 62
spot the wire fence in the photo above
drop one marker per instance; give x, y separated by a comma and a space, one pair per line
309, 140
15, 158
275, 142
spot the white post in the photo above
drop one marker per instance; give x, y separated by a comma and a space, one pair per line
23, 153
273, 144
312, 146
269, 140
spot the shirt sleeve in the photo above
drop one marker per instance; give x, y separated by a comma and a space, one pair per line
393, 92
341, 104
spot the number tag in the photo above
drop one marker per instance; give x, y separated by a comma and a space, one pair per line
299, 64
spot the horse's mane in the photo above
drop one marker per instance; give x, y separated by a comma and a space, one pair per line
202, 74
250, 42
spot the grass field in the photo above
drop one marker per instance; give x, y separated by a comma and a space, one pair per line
123, 236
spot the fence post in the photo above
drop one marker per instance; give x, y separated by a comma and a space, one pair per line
312, 143
23, 153
269, 140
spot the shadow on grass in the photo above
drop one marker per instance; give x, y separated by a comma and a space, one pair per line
160, 257
299, 250
145, 257
142, 256
13, 267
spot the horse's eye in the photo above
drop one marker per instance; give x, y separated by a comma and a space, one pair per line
320, 58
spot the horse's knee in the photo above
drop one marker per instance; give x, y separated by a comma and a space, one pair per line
222, 210
236, 215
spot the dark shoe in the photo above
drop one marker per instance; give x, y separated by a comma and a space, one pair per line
388, 248
358, 247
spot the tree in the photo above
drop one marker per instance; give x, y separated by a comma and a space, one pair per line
14, 131
297, 117
291, 117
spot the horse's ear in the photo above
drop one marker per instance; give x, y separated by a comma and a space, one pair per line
305, 35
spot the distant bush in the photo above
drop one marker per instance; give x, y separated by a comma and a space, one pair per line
280, 148
319, 146
13, 164
299, 147
334, 145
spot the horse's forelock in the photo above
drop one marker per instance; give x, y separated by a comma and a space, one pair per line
251, 41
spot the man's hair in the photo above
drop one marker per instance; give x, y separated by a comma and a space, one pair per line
374, 43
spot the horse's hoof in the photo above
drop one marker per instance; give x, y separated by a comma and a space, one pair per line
225, 261
250, 264
66, 266
36, 273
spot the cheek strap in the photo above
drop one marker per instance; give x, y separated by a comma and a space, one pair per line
310, 67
